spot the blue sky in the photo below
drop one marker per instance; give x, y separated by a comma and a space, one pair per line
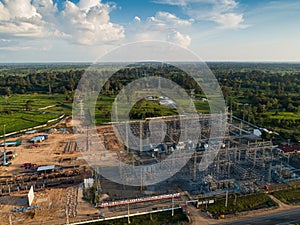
83, 30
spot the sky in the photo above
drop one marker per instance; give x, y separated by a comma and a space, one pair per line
84, 30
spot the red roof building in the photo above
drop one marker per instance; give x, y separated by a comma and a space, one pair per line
291, 148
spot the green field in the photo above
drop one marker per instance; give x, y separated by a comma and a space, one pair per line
287, 124
18, 101
154, 219
142, 109
22, 120
283, 115
243, 203
14, 115
290, 196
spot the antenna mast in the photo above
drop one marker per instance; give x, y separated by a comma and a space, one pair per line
5, 163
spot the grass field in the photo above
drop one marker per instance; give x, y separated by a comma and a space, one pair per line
14, 115
243, 203
290, 196
23, 120
154, 219
283, 115
13, 111
144, 109
18, 102
285, 123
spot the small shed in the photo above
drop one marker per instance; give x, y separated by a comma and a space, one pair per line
45, 168
88, 183
31, 132
11, 143
37, 139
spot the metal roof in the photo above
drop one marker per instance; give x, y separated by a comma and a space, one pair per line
31, 132
37, 138
8, 143
43, 168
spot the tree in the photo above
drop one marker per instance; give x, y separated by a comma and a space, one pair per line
291, 108
28, 105
5, 91
261, 108
72, 84
107, 86
254, 110
8, 91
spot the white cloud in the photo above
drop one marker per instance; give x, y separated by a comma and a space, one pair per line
20, 18
179, 38
14, 48
3, 40
230, 21
46, 8
87, 4
17, 9
223, 12
225, 5
137, 19
163, 26
87, 22
228, 3
168, 19
15, 45
172, 2
27, 19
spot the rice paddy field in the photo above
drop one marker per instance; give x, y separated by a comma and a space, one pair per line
24, 111
40, 108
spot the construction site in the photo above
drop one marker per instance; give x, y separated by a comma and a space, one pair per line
70, 181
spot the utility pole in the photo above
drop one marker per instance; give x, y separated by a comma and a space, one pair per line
226, 201
172, 205
87, 139
50, 91
244, 108
270, 173
243, 112
141, 136
192, 96
195, 165
67, 215
141, 178
231, 113
159, 83
127, 139
128, 214
235, 197
5, 163
249, 113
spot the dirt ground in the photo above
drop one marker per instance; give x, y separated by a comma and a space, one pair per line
51, 206
59, 149
54, 204
48, 152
